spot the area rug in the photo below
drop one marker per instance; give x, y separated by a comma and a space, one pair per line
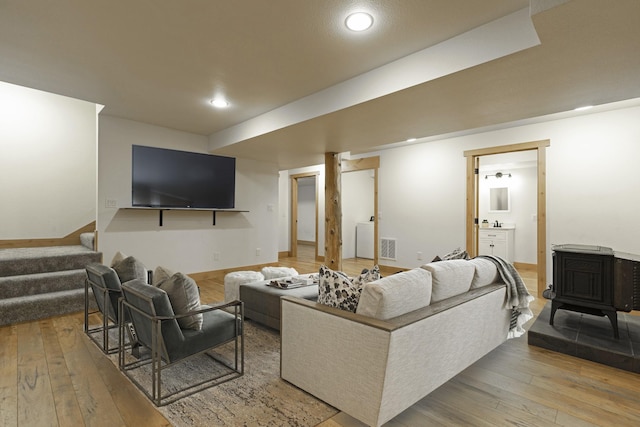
258, 398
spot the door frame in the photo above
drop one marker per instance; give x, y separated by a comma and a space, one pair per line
293, 245
472, 200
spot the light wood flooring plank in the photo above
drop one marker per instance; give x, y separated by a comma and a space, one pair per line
551, 398
489, 410
94, 398
67, 408
36, 406
593, 395
448, 415
134, 407
8, 376
567, 420
617, 380
536, 409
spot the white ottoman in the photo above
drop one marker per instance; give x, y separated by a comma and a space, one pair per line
233, 280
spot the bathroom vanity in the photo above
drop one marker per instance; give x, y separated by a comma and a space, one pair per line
498, 241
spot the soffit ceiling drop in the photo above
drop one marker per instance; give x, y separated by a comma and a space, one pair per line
162, 62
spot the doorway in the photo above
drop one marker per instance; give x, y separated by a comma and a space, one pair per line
370, 165
304, 212
472, 221
357, 193
508, 195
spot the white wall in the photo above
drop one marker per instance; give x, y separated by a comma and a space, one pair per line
187, 241
592, 185
47, 163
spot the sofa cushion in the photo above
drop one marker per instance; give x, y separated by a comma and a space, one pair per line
396, 295
130, 268
270, 273
184, 296
450, 278
336, 289
486, 273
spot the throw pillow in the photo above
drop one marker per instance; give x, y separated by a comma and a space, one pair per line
336, 289
119, 256
160, 274
456, 254
184, 297
367, 276
130, 268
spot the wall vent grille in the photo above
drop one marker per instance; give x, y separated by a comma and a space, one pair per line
388, 248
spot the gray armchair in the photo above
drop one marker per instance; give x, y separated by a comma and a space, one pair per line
105, 285
156, 328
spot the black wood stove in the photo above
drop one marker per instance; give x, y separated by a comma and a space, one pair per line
595, 280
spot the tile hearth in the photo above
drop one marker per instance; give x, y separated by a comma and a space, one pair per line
589, 337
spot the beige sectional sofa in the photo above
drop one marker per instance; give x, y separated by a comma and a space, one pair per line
411, 332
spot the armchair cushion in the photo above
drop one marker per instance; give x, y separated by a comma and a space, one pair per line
184, 296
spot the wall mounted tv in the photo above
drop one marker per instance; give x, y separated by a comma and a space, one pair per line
163, 178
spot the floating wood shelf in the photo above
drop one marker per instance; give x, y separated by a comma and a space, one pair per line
161, 210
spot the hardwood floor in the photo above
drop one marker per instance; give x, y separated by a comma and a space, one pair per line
52, 375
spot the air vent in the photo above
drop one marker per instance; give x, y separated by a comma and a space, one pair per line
388, 248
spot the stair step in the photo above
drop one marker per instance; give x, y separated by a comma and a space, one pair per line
23, 261
33, 284
41, 306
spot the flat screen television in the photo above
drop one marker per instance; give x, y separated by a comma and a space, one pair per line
163, 178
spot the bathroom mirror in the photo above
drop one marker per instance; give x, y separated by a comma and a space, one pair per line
499, 199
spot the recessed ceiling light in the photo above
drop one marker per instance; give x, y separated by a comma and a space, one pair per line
586, 107
411, 139
219, 103
359, 21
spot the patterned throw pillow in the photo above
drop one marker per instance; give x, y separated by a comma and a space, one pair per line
456, 254
336, 289
367, 276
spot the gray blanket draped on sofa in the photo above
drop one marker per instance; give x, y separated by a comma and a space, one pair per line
518, 297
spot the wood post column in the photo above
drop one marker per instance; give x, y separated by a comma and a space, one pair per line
332, 211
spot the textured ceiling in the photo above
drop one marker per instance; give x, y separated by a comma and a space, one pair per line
159, 62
